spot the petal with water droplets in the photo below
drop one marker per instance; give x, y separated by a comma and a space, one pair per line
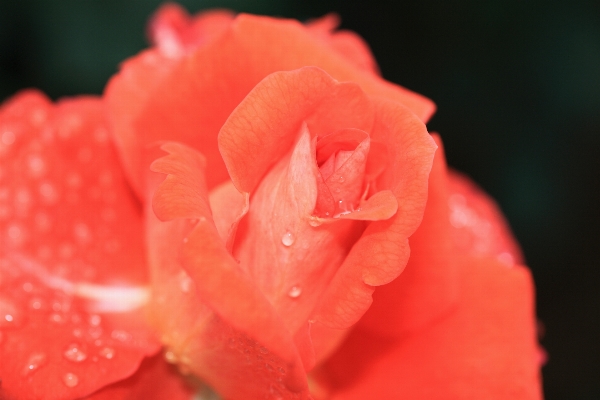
72, 270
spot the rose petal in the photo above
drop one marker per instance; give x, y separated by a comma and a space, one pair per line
428, 286
485, 349
346, 43
175, 32
229, 333
478, 226
72, 268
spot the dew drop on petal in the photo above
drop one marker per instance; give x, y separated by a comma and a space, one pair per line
49, 193
35, 304
10, 314
70, 380
120, 335
37, 166
74, 353
8, 138
35, 361
295, 292
107, 352
287, 239
95, 320
185, 282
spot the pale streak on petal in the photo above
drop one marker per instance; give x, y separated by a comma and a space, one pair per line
103, 298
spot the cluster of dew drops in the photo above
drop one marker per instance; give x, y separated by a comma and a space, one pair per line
26, 302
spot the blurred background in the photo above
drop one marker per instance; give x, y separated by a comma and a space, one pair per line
517, 84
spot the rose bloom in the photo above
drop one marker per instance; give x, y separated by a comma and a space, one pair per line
251, 207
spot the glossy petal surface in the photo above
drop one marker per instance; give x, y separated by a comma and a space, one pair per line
484, 349
72, 268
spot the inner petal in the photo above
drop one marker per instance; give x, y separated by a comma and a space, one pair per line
343, 157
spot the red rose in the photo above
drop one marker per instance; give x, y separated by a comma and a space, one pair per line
294, 181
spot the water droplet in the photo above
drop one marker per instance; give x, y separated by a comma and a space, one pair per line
341, 179
82, 233
10, 313
75, 353
295, 292
49, 193
35, 361
263, 350
71, 380
14, 232
95, 332
120, 335
287, 239
37, 166
78, 333
59, 319
35, 304
107, 352
185, 282
185, 240
95, 319
8, 138
27, 287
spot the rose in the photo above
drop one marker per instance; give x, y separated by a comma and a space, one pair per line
161, 257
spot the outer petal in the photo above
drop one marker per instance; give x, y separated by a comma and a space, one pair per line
190, 101
72, 268
485, 349
478, 226
175, 32
347, 43
223, 329
429, 284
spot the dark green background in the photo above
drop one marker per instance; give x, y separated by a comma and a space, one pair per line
517, 84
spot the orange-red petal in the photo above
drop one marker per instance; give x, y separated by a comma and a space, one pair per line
428, 286
485, 349
72, 269
231, 332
